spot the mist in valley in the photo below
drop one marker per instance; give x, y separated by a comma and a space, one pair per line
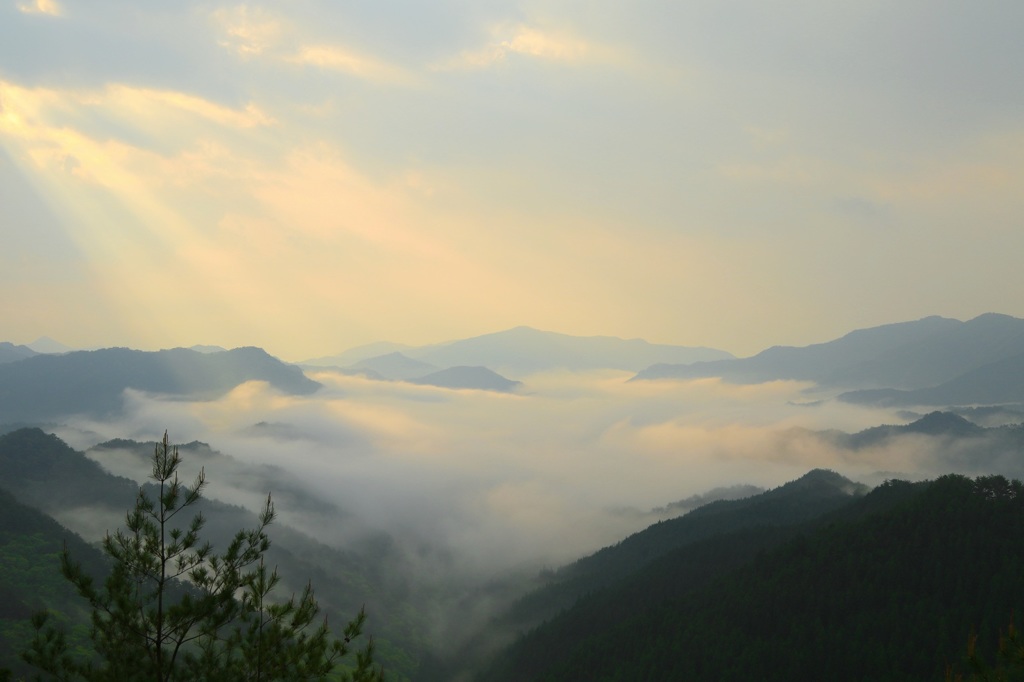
474, 494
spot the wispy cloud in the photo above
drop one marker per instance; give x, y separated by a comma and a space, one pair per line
254, 32
337, 58
530, 41
48, 7
247, 31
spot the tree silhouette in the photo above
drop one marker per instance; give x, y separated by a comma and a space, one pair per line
173, 609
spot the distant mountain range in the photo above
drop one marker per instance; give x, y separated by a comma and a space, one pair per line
43, 387
932, 361
996, 382
523, 350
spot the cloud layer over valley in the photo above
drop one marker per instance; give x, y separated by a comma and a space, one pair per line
504, 482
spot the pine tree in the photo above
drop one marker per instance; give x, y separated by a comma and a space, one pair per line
173, 609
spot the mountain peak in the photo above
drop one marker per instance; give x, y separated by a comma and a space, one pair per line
938, 422
44, 344
479, 378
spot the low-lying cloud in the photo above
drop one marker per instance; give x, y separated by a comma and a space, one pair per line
475, 486
536, 478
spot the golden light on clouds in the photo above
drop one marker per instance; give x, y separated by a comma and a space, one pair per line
432, 173
254, 32
49, 7
337, 58
247, 31
525, 40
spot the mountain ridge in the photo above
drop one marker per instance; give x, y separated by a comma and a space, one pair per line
903, 356
524, 350
46, 386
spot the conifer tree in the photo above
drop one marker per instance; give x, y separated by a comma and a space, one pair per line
173, 609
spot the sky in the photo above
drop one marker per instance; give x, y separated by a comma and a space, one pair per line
311, 176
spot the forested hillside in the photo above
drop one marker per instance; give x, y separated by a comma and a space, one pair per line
30, 579
887, 588
808, 497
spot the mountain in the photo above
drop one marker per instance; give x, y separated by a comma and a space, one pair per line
11, 353
906, 355
479, 378
44, 387
994, 383
887, 587
392, 366
943, 441
937, 424
44, 344
797, 501
358, 354
789, 505
523, 350
207, 349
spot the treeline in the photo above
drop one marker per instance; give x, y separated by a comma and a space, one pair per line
890, 587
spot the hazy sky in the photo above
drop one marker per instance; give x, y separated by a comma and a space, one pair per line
309, 176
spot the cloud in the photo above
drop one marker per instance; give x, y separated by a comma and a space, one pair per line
256, 33
510, 480
560, 47
473, 488
247, 31
206, 189
48, 7
337, 58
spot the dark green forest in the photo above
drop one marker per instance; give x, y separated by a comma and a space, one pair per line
889, 587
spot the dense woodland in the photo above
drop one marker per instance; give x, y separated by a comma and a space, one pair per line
888, 587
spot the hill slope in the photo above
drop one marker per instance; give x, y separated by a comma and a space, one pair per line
809, 497
993, 383
41, 471
888, 589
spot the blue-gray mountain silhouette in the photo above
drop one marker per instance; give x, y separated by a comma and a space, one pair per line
392, 366
44, 387
523, 350
906, 355
12, 353
479, 378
